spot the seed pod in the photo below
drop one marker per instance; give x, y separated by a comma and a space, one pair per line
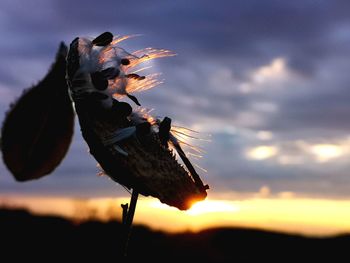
38, 129
132, 154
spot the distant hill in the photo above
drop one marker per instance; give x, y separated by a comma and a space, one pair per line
28, 236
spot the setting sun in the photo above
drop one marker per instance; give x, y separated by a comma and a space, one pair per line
285, 213
211, 206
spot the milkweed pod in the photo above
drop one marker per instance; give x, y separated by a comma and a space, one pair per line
38, 128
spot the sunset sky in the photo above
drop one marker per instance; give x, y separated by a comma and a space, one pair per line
267, 81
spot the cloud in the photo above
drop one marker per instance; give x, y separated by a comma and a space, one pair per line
262, 152
253, 74
264, 135
264, 192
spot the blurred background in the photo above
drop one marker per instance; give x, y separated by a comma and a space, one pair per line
267, 80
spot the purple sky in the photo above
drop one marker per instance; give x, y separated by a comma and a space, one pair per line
251, 73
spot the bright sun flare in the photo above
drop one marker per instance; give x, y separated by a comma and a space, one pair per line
211, 206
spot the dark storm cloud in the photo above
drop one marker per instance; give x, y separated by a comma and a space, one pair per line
210, 37
242, 30
228, 28
324, 112
320, 108
240, 34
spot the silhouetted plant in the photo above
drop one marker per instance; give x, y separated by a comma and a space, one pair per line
132, 147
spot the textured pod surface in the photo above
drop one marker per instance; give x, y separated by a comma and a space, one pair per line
38, 128
147, 166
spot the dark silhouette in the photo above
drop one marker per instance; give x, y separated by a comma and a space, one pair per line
56, 239
127, 149
38, 128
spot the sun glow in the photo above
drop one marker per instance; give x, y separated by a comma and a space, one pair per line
211, 206
262, 152
326, 152
281, 212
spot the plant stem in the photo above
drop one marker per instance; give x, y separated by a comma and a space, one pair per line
128, 216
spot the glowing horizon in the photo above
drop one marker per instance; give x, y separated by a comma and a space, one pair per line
284, 213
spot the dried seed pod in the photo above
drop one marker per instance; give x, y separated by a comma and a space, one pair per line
140, 162
38, 129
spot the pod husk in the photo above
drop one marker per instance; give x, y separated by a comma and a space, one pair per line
38, 129
150, 168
